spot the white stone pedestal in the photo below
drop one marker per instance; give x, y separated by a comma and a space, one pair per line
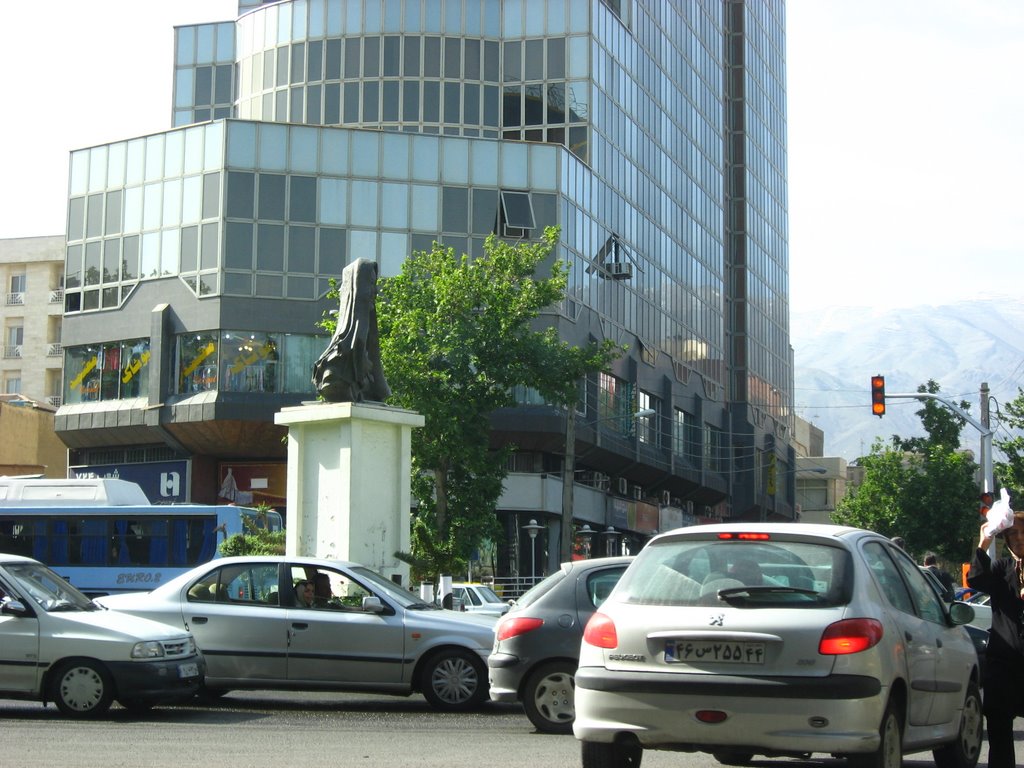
348, 483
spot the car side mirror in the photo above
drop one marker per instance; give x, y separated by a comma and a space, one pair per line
11, 607
961, 613
372, 604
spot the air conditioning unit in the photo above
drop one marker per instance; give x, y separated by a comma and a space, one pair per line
638, 492
623, 486
666, 498
619, 270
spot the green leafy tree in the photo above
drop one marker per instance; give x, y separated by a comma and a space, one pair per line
922, 489
1011, 471
255, 539
457, 335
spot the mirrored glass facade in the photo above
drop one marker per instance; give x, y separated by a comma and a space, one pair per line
652, 132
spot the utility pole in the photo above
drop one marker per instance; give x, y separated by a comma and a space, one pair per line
568, 481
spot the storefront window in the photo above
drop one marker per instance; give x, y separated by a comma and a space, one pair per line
197, 362
249, 362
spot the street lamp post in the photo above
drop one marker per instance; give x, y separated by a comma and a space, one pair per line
532, 529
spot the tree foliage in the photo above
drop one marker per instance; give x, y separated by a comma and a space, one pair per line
457, 336
255, 539
1010, 472
922, 489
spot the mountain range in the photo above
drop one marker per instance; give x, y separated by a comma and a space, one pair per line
958, 345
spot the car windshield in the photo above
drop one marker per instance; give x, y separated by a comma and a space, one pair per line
48, 590
487, 594
394, 592
705, 570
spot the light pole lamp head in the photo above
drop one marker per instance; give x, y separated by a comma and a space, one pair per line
532, 528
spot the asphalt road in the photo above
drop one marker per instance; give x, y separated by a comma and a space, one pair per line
263, 729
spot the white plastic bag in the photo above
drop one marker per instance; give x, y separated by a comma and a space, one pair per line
999, 516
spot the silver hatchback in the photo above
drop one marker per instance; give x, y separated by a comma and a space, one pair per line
298, 623
777, 640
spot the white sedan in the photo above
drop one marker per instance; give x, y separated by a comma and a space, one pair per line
777, 640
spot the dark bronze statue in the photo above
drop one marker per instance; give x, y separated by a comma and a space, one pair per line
349, 370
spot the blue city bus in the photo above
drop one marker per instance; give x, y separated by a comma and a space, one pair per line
104, 549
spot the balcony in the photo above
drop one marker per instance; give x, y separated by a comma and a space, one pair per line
15, 299
55, 400
57, 296
55, 349
12, 350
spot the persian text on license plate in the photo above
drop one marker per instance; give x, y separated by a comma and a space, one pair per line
188, 670
715, 651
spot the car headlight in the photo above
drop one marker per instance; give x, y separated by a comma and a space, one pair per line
151, 649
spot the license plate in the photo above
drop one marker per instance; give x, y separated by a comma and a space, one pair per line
188, 670
714, 652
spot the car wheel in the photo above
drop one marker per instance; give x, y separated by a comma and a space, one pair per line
965, 750
599, 754
733, 758
549, 697
82, 689
454, 680
890, 747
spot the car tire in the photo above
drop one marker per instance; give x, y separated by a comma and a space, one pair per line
549, 697
890, 746
733, 758
82, 689
454, 680
964, 751
599, 754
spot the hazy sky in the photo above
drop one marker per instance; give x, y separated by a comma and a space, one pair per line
905, 132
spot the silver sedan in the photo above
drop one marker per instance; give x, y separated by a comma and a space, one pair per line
296, 623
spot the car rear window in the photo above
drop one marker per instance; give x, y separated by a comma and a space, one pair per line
760, 573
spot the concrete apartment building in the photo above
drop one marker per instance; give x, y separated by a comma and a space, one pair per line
307, 133
32, 276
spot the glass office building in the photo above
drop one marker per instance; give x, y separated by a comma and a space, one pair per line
307, 133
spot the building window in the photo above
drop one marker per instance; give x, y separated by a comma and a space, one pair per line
516, 214
12, 385
647, 424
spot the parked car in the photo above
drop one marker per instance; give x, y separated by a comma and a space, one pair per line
777, 640
478, 598
57, 645
537, 644
362, 633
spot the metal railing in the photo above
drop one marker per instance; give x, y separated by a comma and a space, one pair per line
513, 587
57, 296
55, 400
54, 349
12, 350
15, 299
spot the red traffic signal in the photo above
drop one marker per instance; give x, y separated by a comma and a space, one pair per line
878, 396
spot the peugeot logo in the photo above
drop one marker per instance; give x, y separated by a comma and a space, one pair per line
717, 621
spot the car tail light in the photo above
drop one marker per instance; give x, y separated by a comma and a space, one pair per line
850, 636
600, 632
513, 626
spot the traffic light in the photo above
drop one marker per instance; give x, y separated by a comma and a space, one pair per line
878, 396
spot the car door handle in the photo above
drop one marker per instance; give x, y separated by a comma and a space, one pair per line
938, 643
910, 637
199, 619
300, 625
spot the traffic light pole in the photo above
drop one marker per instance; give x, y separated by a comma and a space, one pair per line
982, 427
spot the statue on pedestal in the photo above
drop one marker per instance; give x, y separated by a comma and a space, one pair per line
349, 370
